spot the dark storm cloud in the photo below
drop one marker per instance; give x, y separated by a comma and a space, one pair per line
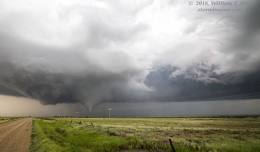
252, 19
202, 82
236, 77
100, 52
244, 43
70, 53
56, 76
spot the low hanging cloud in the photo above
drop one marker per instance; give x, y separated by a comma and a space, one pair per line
132, 51
63, 76
68, 56
202, 83
55, 77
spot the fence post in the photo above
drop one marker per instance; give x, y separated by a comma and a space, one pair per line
173, 149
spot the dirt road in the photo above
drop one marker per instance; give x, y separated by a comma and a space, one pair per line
15, 136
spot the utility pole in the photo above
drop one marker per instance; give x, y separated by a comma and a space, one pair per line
109, 112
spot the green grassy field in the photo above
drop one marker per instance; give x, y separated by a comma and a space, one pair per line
146, 134
5, 119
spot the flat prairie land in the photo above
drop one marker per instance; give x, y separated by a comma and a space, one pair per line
8, 119
4, 119
146, 134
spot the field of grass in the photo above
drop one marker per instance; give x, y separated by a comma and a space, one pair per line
5, 119
146, 134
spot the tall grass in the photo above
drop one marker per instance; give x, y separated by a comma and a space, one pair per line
146, 135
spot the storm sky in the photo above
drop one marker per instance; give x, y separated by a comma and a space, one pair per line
94, 53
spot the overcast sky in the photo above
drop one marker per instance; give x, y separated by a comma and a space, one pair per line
94, 53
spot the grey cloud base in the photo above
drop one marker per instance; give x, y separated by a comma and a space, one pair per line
202, 83
60, 76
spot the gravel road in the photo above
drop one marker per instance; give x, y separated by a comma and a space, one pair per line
15, 136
